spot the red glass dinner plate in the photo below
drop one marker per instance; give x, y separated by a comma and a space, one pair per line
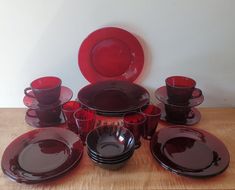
189, 151
161, 95
41, 154
32, 120
113, 97
189, 121
110, 53
65, 95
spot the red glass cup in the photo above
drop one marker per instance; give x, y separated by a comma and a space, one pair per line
46, 115
68, 110
178, 113
181, 89
85, 121
135, 121
152, 114
45, 89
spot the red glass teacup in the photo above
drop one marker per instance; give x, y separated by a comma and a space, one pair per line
45, 89
178, 114
152, 114
46, 115
181, 89
135, 121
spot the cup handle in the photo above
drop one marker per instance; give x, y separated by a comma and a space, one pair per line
27, 93
190, 115
196, 93
30, 114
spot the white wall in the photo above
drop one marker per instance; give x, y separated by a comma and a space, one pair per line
195, 38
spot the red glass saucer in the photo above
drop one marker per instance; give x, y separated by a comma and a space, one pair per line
189, 121
110, 53
161, 95
41, 154
65, 95
35, 122
113, 97
189, 151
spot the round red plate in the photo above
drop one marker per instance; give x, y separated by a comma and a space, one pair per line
42, 154
110, 53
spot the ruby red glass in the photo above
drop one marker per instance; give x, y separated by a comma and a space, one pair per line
192, 118
189, 151
68, 109
41, 154
46, 90
110, 53
85, 120
32, 119
135, 121
65, 95
113, 97
181, 89
152, 114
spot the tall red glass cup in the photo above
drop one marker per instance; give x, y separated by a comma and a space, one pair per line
135, 121
69, 109
152, 114
85, 120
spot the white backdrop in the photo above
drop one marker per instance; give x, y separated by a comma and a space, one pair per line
195, 38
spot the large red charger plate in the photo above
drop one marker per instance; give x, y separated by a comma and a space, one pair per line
110, 53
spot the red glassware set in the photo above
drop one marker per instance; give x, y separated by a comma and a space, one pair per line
111, 59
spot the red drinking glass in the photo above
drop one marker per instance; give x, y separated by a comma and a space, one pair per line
85, 120
135, 121
152, 114
68, 110
45, 89
181, 89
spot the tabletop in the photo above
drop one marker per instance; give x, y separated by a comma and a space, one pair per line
141, 172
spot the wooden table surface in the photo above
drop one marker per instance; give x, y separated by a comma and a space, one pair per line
141, 172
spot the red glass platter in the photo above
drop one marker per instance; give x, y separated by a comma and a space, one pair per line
35, 121
41, 154
189, 151
161, 95
113, 97
65, 95
110, 53
189, 121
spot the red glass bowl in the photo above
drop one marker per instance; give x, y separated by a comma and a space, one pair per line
110, 142
110, 53
41, 154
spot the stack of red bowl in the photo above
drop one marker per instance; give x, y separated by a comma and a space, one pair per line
178, 100
110, 147
44, 98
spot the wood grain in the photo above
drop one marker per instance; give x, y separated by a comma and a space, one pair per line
141, 172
